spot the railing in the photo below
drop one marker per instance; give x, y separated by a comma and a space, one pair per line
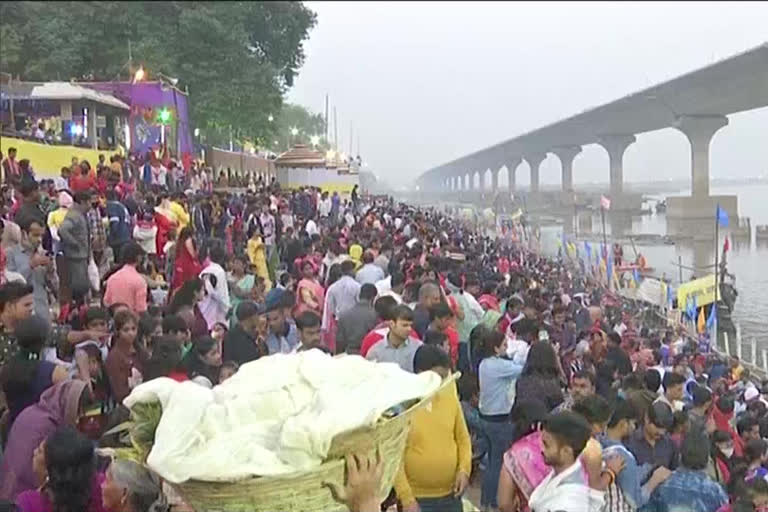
758, 369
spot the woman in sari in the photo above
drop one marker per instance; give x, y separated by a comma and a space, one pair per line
187, 266
166, 223
240, 283
257, 255
524, 467
310, 294
67, 461
59, 405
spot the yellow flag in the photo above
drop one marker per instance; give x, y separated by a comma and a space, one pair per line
701, 323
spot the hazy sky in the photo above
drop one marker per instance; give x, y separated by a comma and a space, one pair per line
426, 82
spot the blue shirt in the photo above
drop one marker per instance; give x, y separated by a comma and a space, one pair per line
279, 344
369, 273
686, 490
496, 376
630, 477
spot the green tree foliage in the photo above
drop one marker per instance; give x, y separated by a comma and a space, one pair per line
307, 124
237, 59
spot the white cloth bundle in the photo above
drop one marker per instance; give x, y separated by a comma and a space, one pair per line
276, 415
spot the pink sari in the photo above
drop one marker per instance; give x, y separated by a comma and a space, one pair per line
318, 294
525, 464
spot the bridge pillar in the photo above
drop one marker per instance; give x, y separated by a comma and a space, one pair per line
566, 154
512, 173
534, 160
699, 130
469, 178
495, 180
616, 145
481, 181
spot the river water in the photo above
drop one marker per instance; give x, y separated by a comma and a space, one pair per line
747, 260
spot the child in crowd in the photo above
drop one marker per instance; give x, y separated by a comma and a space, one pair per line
96, 321
122, 365
227, 370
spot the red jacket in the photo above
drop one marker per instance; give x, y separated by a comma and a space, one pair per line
80, 183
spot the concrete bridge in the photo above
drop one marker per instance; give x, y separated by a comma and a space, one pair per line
696, 103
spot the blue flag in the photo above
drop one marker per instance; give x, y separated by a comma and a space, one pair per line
690, 308
712, 316
588, 249
670, 297
636, 275
609, 268
722, 217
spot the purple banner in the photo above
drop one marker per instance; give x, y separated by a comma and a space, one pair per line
151, 95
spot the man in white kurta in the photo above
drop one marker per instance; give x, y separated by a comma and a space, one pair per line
565, 488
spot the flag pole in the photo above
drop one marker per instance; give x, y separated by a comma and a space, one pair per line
717, 283
602, 215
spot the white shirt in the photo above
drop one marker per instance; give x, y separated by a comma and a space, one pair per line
60, 184
287, 220
324, 208
215, 305
311, 228
384, 285
566, 491
146, 237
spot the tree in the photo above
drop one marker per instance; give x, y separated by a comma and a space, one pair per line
307, 124
237, 59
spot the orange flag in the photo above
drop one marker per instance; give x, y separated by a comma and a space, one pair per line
701, 323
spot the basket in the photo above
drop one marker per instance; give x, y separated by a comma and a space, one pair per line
308, 491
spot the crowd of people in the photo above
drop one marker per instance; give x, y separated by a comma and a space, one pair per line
570, 398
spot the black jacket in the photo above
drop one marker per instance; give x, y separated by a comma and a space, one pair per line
241, 347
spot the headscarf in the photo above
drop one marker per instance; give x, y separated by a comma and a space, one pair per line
11, 234
65, 199
356, 253
58, 406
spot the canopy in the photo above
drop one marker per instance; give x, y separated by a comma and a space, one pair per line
59, 91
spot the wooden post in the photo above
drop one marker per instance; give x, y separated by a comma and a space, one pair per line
738, 341
726, 344
753, 346
765, 360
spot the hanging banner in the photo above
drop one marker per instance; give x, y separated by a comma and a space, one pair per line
702, 289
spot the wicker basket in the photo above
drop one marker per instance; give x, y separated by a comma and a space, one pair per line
308, 491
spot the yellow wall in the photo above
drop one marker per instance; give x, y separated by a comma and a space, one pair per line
47, 160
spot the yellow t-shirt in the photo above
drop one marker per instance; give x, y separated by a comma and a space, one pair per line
56, 217
180, 214
438, 447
